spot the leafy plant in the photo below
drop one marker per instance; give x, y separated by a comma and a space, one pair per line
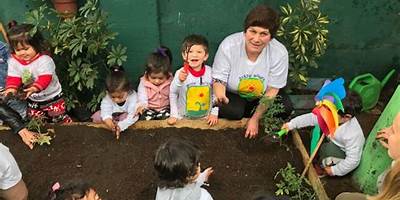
304, 32
37, 125
293, 185
82, 50
271, 122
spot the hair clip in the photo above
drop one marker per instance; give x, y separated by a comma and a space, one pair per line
161, 51
115, 69
55, 187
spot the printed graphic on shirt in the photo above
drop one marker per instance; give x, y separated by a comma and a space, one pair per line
251, 88
197, 100
27, 77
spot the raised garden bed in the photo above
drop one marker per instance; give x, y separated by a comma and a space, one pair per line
124, 169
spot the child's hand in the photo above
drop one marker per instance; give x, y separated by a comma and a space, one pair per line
29, 91
212, 120
328, 170
139, 110
182, 75
117, 131
208, 172
172, 121
8, 91
110, 124
285, 126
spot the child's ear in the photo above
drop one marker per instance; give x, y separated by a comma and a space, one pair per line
184, 56
206, 57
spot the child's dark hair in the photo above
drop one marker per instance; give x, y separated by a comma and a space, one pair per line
117, 81
21, 34
176, 161
351, 104
159, 61
262, 16
72, 190
193, 39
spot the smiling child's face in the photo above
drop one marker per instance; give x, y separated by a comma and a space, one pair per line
196, 56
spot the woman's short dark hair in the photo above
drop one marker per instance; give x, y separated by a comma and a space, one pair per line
262, 16
176, 161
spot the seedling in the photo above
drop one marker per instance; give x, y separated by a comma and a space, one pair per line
292, 184
37, 125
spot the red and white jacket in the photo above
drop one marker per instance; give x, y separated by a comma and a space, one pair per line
154, 97
42, 70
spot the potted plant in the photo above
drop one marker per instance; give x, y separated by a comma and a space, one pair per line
66, 8
83, 51
304, 32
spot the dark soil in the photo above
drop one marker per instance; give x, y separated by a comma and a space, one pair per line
124, 169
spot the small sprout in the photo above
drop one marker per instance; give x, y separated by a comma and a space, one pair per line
43, 138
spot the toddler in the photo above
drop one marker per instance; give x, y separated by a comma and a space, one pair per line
33, 71
177, 163
74, 190
118, 107
341, 153
153, 90
191, 94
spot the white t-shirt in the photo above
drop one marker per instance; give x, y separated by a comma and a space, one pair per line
244, 77
44, 65
10, 174
193, 97
108, 107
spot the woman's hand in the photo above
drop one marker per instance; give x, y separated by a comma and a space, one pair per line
208, 172
220, 93
383, 136
28, 137
212, 120
29, 91
252, 128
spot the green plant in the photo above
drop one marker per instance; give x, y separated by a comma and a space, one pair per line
304, 32
270, 120
293, 185
37, 125
82, 50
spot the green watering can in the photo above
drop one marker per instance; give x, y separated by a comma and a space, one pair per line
369, 88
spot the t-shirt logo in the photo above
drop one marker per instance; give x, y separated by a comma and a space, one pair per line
250, 88
197, 101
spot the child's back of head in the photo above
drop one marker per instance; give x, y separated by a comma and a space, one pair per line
176, 161
351, 104
70, 191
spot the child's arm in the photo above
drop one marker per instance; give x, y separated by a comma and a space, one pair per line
106, 110
301, 121
132, 117
142, 97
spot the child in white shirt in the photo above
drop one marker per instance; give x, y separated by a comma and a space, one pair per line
118, 107
191, 93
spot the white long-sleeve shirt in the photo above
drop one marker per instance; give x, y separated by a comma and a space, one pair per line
193, 96
348, 136
192, 191
108, 107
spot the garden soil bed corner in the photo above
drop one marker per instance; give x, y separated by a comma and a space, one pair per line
123, 169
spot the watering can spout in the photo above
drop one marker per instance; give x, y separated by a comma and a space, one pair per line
387, 77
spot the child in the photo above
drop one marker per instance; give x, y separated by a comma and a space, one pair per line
31, 69
342, 153
190, 94
153, 90
118, 107
73, 191
177, 163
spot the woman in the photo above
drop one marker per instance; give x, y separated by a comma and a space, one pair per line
249, 65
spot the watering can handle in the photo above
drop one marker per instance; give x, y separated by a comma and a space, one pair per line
356, 79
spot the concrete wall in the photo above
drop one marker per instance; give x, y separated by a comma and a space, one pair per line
364, 34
